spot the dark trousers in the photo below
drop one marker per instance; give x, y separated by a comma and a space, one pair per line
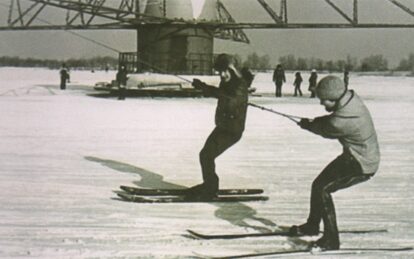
341, 173
63, 83
122, 92
279, 89
297, 90
313, 94
218, 141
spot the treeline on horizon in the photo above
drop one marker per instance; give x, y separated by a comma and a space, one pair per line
252, 61
290, 62
84, 63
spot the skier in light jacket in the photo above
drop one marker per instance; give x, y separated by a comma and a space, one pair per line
350, 122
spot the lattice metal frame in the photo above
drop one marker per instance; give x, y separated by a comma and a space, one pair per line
95, 14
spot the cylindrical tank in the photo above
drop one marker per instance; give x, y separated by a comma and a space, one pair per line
177, 49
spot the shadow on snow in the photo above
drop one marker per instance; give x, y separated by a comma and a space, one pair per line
236, 213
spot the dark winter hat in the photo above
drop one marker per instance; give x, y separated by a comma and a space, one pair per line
223, 61
330, 88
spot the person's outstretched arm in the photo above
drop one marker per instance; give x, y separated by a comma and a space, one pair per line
208, 89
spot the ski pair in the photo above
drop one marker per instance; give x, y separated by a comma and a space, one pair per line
141, 195
275, 233
303, 252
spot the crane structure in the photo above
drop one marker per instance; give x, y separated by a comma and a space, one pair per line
178, 35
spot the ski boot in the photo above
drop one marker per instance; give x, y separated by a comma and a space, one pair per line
202, 192
306, 229
326, 243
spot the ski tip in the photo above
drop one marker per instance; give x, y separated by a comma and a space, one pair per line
120, 194
201, 256
125, 188
194, 234
124, 196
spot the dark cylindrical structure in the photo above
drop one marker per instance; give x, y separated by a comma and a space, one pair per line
173, 49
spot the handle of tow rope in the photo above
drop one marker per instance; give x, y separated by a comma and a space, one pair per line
293, 118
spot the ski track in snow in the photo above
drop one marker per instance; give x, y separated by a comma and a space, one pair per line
63, 153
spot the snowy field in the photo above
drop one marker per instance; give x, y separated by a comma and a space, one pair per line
64, 153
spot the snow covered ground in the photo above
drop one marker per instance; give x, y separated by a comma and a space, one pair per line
64, 153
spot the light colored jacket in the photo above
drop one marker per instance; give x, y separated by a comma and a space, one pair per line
352, 125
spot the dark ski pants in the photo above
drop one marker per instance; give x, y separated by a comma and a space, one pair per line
313, 94
279, 89
63, 83
297, 90
218, 141
341, 173
122, 92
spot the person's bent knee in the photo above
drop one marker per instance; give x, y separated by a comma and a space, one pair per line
238, 136
204, 155
317, 186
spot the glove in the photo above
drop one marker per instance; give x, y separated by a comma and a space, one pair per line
304, 123
198, 84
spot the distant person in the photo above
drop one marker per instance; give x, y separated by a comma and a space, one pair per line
346, 78
351, 124
297, 83
313, 79
64, 76
122, 78
279, 78
230, 119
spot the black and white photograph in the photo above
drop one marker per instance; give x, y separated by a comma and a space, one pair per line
206, 129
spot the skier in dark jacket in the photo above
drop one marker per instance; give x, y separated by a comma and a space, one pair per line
279, 78
230, 118
313, 79
297, 83
350, 122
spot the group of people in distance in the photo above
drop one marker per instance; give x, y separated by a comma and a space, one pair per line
279, 78
121, 78
348, 121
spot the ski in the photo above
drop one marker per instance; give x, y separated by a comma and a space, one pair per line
298, 252
170, 192
277, 233
182, 199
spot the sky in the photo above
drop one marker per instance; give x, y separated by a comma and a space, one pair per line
328, 44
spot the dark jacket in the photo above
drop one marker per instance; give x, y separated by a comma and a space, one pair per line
64, 75
352, 125
121, 77
313, 79
298, 80
232, 103
279, 76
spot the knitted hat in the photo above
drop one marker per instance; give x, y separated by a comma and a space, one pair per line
223, 61
330, 88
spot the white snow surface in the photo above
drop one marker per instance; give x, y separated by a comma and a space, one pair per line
64, 153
